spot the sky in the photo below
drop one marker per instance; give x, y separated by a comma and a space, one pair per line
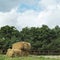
29, 13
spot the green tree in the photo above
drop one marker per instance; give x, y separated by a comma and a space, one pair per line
8, 35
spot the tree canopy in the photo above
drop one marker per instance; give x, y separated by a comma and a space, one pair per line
41, 38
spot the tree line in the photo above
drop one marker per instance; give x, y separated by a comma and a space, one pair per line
41, 38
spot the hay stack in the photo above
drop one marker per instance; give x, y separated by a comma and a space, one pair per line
21, 46
14, 52
25, 53
27, 46
17, 52
10, 53
19, 49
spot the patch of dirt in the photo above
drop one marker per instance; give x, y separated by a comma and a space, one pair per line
52, 56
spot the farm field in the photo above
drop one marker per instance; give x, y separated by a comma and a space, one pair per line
3, 57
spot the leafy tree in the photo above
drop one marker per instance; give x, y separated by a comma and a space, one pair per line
41, 38
8, 35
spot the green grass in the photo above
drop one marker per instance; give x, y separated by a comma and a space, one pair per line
3, 57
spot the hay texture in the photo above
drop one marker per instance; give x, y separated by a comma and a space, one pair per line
21, 46
17, 52
14, 52
10, 53
25, 53
19, 49
27, 46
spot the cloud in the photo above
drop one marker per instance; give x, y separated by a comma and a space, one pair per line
51, 12
49, 3
50, 15
8, 18
7, 5
28, 18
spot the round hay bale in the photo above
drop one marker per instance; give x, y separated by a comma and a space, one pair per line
10, 53
25, 53
18, 45
14, 52
27, 46
20, 53
21, 46
17, 52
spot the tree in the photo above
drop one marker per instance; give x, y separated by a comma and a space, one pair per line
8, 35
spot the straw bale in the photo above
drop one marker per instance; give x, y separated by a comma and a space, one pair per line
10, 53
21, 46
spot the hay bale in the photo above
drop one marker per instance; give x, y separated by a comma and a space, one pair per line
17, 52
19, 49
21, 46
27, 46
18, 45
10, 53
20, 53
25, 53
14, 52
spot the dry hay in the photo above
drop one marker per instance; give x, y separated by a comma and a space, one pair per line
17, 52
27, 46
21, 46
18, 45
19, 49
10, 53
14, 52
25, 53
20, 53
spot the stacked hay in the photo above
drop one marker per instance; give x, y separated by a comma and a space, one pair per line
25, 53
22, 46
19, 49
10, 53
13, 52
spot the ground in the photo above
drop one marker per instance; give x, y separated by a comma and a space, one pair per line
32, 57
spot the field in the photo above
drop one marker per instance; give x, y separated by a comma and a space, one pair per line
3, 57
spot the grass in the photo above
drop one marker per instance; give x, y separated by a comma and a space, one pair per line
3, 57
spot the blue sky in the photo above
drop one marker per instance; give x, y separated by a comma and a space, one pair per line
31, 13
27, 6
6, 5
24, 7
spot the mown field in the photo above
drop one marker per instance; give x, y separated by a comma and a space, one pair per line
3, 57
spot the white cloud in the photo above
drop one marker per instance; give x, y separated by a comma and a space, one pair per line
28, 18
7, 5
49, 16
8, 18
51, 12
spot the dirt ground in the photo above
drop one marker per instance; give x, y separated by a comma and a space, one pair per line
58, 56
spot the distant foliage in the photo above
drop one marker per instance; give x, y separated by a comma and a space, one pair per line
41, 38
